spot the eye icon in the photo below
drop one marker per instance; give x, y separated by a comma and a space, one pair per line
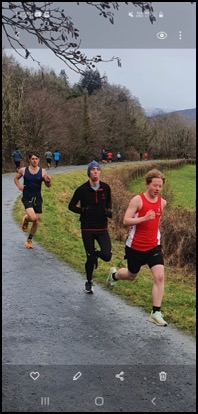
162, 35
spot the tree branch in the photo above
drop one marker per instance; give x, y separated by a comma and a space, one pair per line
56, 31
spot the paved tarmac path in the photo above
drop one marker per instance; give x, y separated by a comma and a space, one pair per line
51, 327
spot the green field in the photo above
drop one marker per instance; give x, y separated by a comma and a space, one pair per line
181, 182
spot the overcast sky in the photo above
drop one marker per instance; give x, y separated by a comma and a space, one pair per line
158, 78
161, 73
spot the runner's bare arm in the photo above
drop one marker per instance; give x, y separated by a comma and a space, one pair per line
17, 177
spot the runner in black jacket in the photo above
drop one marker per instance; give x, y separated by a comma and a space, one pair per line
94, 197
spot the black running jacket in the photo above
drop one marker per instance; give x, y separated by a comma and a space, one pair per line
94, 206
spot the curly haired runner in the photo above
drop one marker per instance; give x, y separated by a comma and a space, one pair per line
33, 176
143, 244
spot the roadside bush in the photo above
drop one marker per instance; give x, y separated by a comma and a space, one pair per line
178, 228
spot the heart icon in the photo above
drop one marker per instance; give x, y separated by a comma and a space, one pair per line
34, 375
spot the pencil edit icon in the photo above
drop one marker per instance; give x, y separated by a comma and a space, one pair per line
77, 376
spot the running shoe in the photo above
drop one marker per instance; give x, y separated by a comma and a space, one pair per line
110, 282
29, 244
157, 318
89, 287
24, 224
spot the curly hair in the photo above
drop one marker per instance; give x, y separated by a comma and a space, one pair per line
154, 174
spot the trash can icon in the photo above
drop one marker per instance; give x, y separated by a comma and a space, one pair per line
162, 376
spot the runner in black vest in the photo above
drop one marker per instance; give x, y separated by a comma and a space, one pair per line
31, 188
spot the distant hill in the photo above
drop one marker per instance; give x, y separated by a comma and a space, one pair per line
157, 111
189, 113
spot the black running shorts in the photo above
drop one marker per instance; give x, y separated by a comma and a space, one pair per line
33, 202
136, 258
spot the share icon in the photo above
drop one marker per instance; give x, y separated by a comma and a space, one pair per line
120, 375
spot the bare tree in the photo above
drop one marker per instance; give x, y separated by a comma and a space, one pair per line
52, 28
